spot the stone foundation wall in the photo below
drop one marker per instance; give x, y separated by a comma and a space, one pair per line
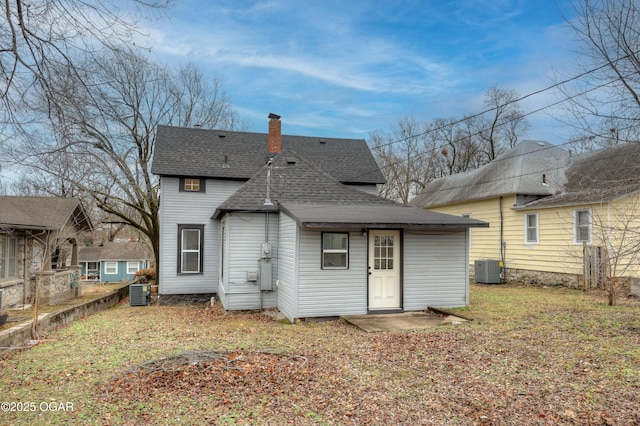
12, 293
58, 286
541, 278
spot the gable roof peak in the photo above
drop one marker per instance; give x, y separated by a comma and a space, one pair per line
181, 151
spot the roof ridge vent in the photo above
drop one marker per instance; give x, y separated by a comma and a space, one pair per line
322, 142
222, 134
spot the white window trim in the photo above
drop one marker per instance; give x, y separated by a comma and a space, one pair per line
106, 268
345, 251
526, 229
575, 226
131, 266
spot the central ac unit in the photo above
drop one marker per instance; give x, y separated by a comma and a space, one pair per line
487, 271
139, 294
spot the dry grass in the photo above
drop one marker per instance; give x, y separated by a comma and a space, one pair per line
532, 356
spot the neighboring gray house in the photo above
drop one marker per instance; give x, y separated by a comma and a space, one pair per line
270, 220
39, 234
114, 261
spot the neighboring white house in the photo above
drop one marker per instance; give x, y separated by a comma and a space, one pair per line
270, 220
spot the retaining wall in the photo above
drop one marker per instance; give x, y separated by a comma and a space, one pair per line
19, 336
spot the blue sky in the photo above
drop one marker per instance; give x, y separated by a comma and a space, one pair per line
345, 68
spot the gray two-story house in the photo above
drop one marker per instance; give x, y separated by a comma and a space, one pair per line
271, 220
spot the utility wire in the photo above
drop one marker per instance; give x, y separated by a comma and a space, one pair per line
528, 95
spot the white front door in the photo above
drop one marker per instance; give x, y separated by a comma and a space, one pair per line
384, 269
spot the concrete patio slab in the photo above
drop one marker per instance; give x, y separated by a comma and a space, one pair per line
394, 322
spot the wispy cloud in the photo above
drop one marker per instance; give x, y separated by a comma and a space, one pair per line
357, 66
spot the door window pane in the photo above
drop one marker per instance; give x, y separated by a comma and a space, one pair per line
383, 252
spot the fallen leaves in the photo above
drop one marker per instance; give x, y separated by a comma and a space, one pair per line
556, 360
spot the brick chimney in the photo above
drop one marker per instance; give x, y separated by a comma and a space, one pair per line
275, 134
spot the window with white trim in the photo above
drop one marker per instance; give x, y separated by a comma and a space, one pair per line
110, 268
7, 257
132, 268
190, 247
531, 230
335, 250
582, 226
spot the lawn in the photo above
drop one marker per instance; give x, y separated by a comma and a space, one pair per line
531, 356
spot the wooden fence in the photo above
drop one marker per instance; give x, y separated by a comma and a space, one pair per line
595, 266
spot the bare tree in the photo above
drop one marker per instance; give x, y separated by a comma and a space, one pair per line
106, 125
404, 160
616, 232
499, 129
605, 102
38, 37
416, 153
455, 148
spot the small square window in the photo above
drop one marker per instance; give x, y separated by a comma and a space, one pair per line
192, 185
335, 250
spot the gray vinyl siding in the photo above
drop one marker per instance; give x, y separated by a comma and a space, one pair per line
246, 233
331, 292
435, 270
287, 267
190, 208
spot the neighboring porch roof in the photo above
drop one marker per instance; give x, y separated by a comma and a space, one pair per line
45, 213
374, 216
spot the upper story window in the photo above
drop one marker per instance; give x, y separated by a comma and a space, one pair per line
531, 229
192, 185
335, 250
7, 257
582, 226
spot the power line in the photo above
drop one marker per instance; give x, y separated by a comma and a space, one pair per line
536, 92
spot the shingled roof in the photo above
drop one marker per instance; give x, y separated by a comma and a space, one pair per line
47, 213
127, 250
531, 168
598, 176
313, 198
239, 155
